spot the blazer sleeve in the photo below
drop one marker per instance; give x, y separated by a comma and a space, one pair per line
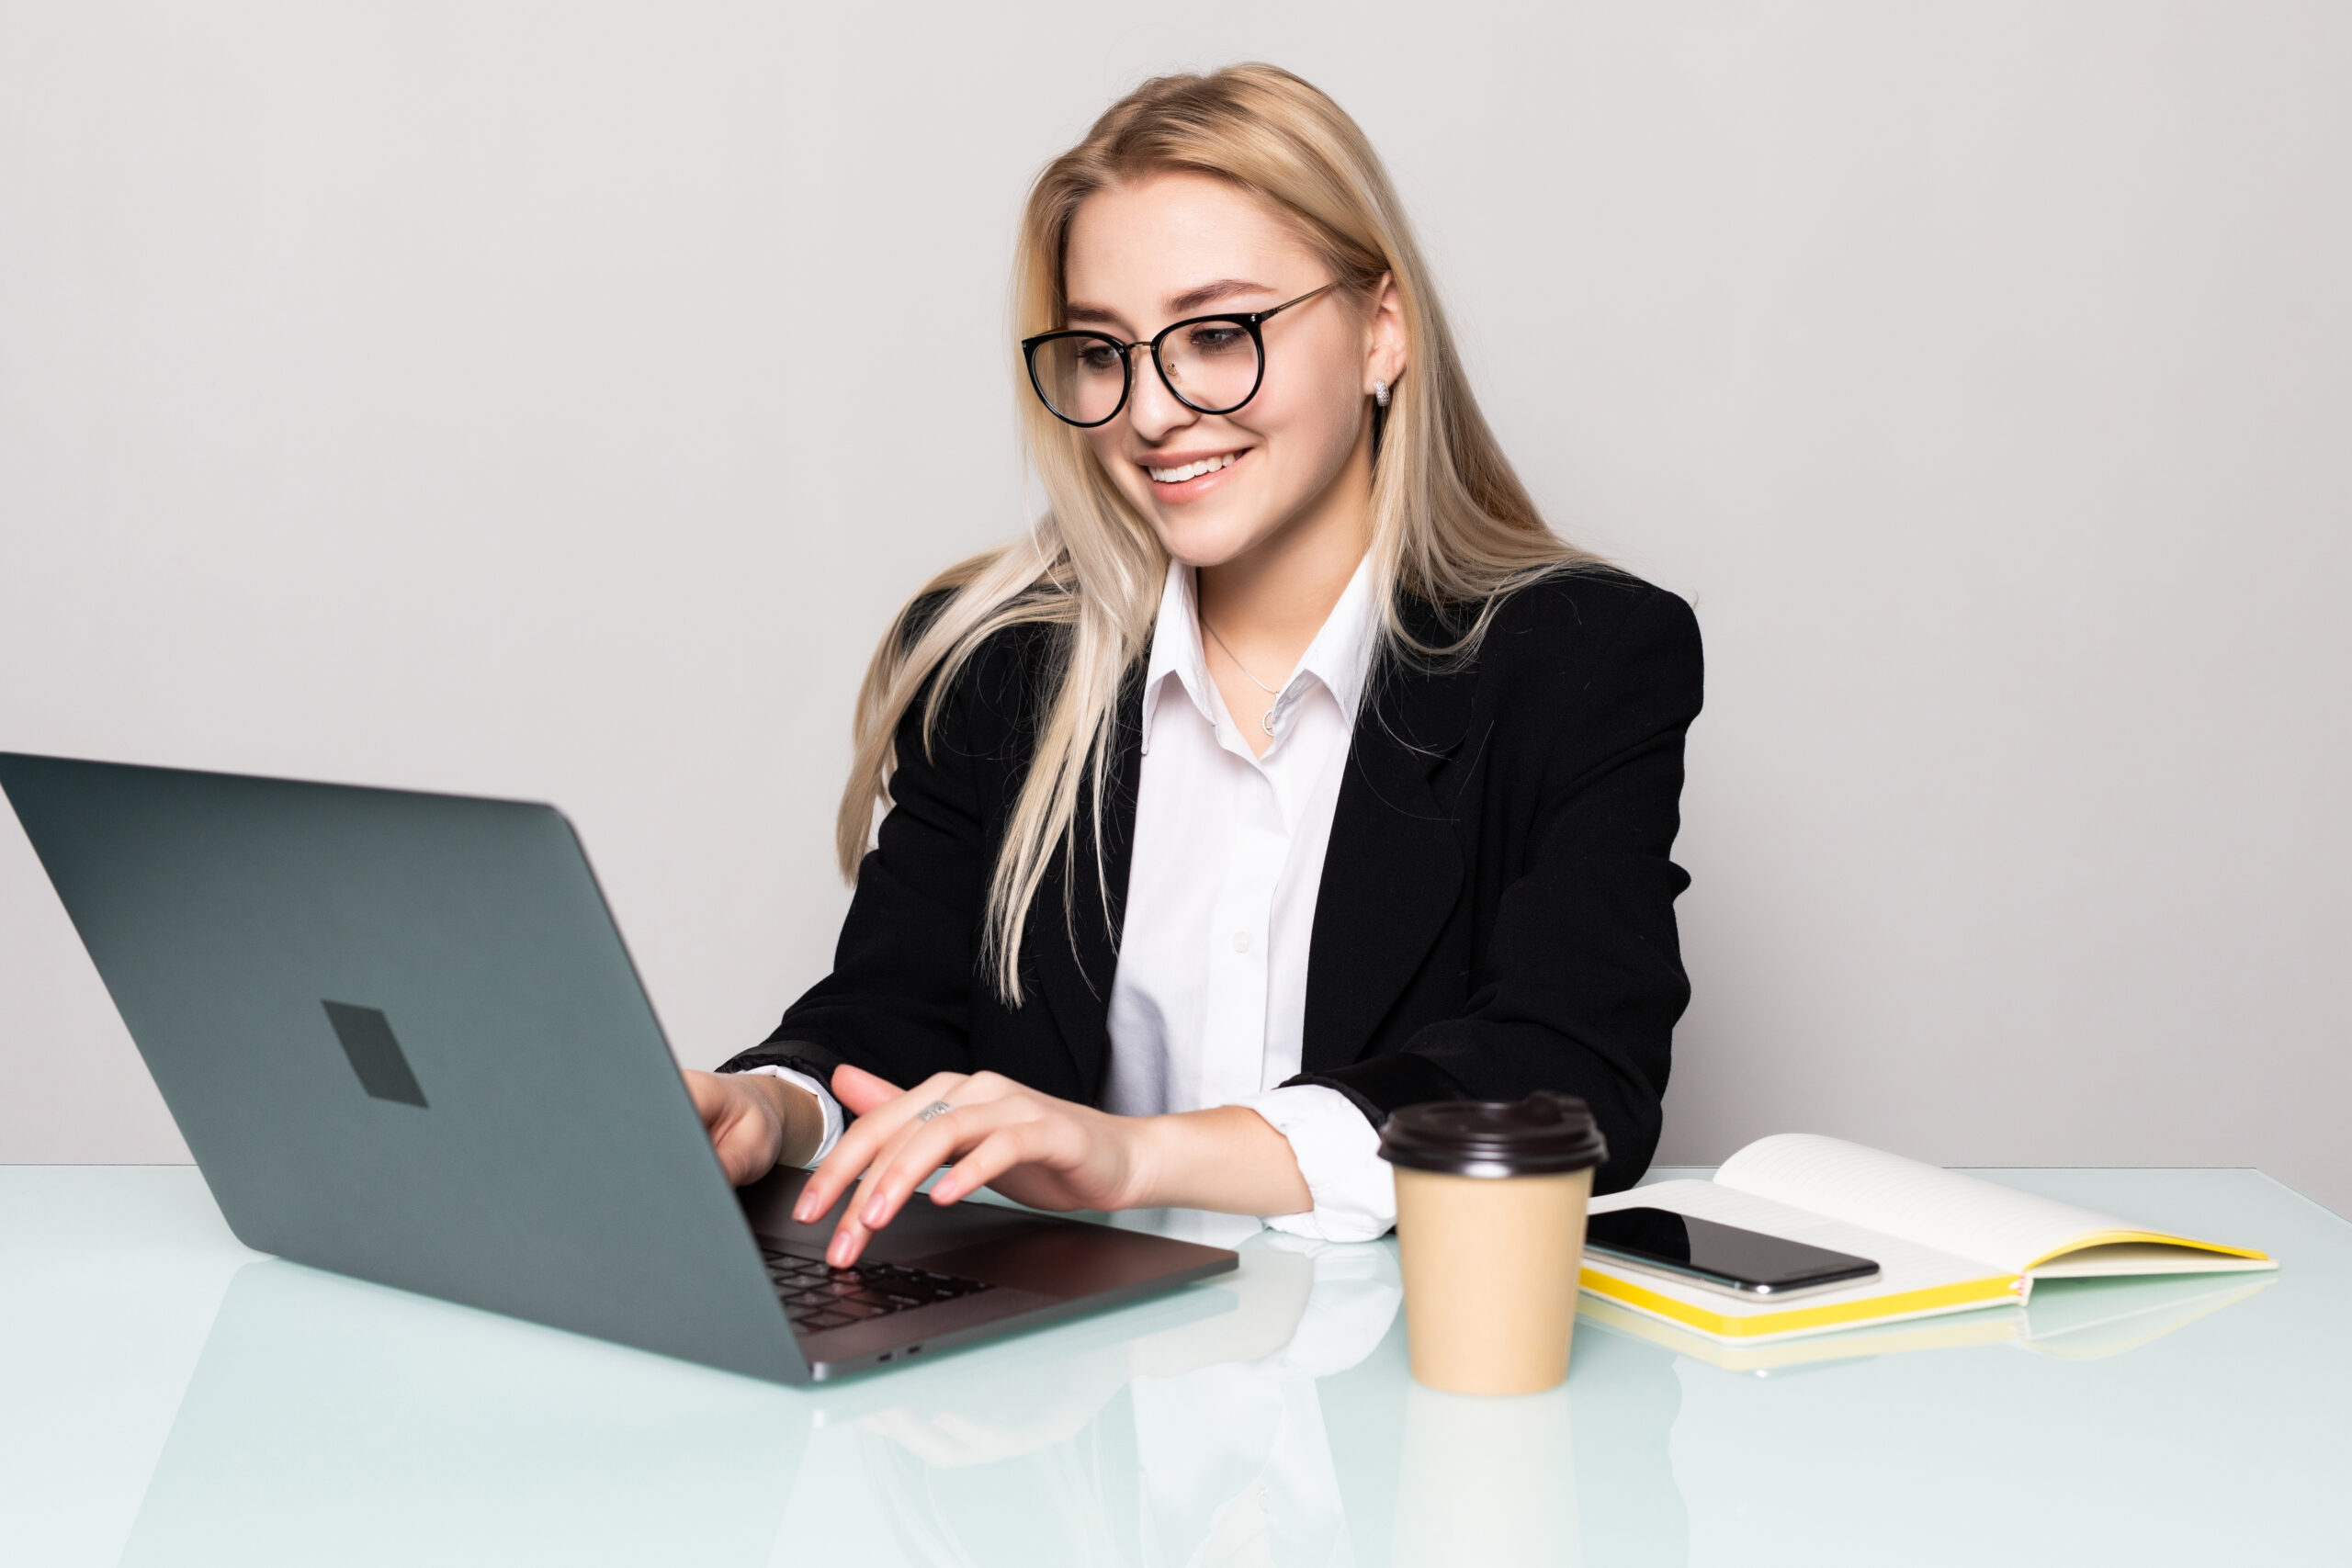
898, 999
1580, 982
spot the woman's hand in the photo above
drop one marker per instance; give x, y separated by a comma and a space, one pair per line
1035, 1149
756, 1120
1046, 1153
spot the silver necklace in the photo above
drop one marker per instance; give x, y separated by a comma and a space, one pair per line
1266, 721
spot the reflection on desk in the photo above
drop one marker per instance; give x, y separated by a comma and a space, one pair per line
334, 1421
1247, 1420
2079, 1319
1264, 1417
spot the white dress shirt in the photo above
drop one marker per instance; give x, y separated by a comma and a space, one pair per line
1208, 1004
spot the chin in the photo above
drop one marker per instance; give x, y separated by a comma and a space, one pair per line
1205, 546
1203, 541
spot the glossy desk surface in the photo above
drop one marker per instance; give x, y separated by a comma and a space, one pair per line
168, 1397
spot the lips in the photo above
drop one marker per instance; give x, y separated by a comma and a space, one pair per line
1178, 473
1182, 482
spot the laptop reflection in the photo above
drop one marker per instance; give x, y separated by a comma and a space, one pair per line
331, 1420
334, 1421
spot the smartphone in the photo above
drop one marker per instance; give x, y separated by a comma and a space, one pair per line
1719, 1256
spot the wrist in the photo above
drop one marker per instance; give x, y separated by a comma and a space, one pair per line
799, 1120
1151, 1154
1228, 1159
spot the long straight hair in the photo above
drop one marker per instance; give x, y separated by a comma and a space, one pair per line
1451, 523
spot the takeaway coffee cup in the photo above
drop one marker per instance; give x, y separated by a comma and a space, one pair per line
1490, 1200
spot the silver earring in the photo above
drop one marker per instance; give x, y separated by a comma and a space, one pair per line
1380, 393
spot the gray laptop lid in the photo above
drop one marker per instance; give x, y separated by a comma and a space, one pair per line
405, 1042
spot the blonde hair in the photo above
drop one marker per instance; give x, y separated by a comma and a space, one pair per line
1452, 524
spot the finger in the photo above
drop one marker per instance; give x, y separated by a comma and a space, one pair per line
746, 1131
942, 1136
923, 1149
861, 1091
864, 1141
916, 1150
708, 1094
874, 1129
864, 1210
734, 1137
991, 1158
878, 1130
854, 1229
739, 1153
849, 1240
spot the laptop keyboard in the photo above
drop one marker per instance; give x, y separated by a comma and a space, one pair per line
817, 1296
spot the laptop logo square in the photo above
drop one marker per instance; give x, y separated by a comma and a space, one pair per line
376, 1057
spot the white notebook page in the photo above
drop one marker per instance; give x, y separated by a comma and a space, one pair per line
1923, 1203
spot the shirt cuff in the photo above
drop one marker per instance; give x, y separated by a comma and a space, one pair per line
1339, 1155
834, 1120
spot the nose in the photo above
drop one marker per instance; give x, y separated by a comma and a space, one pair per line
1153, 410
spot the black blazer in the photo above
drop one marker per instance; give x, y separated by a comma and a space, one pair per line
1497, 909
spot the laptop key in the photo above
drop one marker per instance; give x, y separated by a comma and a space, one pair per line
817, 1297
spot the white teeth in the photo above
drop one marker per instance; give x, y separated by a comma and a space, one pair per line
1192, 471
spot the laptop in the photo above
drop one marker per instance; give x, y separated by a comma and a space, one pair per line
404, 1041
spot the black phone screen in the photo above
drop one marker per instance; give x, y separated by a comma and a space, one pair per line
1749, 1260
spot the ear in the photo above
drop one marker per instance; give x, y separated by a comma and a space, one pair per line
1384, 356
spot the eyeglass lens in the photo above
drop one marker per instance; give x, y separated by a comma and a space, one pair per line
1212, 366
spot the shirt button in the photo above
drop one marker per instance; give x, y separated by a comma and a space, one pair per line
1241, 941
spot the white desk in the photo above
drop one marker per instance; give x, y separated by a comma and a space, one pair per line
168, 1397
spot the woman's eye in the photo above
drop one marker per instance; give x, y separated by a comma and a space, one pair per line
1218, 339
1099, 357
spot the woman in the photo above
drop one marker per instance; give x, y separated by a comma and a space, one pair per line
1292, 770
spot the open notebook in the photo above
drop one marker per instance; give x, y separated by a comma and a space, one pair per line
1944, 1241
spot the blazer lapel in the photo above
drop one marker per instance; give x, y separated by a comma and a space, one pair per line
1076, 959
1394, 867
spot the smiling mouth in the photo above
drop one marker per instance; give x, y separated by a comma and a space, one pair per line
1177, 476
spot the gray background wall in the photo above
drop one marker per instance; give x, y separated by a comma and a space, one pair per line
553, 400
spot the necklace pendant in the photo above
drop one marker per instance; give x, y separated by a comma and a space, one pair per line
1267, 723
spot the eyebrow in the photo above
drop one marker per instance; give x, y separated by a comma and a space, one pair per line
1179, 305
1210, 293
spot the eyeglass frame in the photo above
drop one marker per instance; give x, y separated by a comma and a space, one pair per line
1252, 321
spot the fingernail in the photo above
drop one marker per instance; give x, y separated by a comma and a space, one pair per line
873, 1215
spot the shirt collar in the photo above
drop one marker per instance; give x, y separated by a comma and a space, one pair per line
1339, 657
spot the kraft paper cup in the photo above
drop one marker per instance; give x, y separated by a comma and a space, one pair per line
1490, 1207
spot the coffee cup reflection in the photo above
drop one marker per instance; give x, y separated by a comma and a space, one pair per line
1487, 1481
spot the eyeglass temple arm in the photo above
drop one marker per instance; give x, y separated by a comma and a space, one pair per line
1278, 309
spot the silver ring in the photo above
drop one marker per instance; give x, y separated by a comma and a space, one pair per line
936, 1108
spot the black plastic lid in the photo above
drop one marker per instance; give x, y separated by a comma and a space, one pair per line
1543, 1134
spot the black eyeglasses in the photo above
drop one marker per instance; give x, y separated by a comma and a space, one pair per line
1210, 364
